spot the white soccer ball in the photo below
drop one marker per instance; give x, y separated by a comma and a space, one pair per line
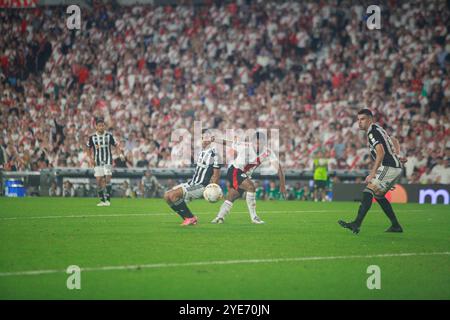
212, 192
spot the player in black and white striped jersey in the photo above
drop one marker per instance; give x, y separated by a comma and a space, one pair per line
207, 171
388, 168
100, 150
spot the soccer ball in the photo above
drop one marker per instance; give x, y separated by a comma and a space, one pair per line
212, 192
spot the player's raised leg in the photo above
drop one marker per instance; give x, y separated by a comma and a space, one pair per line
249, 157
233, 194
234, 179
250, 198
226, 206
175, 199
364, 207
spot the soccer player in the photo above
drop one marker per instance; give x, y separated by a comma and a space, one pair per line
320, 176
249, 157
207, 171
386, 171
100, 156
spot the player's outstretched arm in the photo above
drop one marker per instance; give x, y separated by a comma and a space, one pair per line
398, 151
396, 145
90, 153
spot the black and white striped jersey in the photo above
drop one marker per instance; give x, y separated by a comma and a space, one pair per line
101, 145
377, 135
207, 161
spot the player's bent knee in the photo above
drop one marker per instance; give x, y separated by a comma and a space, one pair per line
232, 195
248, 186
167, 196
175, 195
238, 194
251, 186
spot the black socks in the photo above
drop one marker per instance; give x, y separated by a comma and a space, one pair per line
101, 194
181, 208
105, 193
387, 208
108, 192
366, 203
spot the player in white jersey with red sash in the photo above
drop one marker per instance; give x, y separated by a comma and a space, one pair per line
249, 157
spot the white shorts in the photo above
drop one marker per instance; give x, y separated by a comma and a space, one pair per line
105, 170
191, 192
386, 178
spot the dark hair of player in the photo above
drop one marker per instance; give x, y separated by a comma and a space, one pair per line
366, 112
99, 120
204, 131
207, 135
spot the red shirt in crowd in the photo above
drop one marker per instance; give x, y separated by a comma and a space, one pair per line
141, 64
232, 8
337, 80
155, 102
4, 62
178, 73
416, 85
293, 39
23, 26
83, 75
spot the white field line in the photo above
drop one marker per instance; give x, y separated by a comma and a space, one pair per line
167, 214
222, 262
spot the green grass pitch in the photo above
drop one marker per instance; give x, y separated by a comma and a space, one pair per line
136, 249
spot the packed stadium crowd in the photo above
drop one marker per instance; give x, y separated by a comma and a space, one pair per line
304, 68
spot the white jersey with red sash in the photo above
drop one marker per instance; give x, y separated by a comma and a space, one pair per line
247, 160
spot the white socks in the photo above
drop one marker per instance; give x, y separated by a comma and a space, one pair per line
225, 208
251, 204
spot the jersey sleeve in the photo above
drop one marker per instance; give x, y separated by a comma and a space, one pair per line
112, 141
216, 159
375, 138
90, 143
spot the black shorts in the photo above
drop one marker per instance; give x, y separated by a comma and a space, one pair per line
320, 184
235, 177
